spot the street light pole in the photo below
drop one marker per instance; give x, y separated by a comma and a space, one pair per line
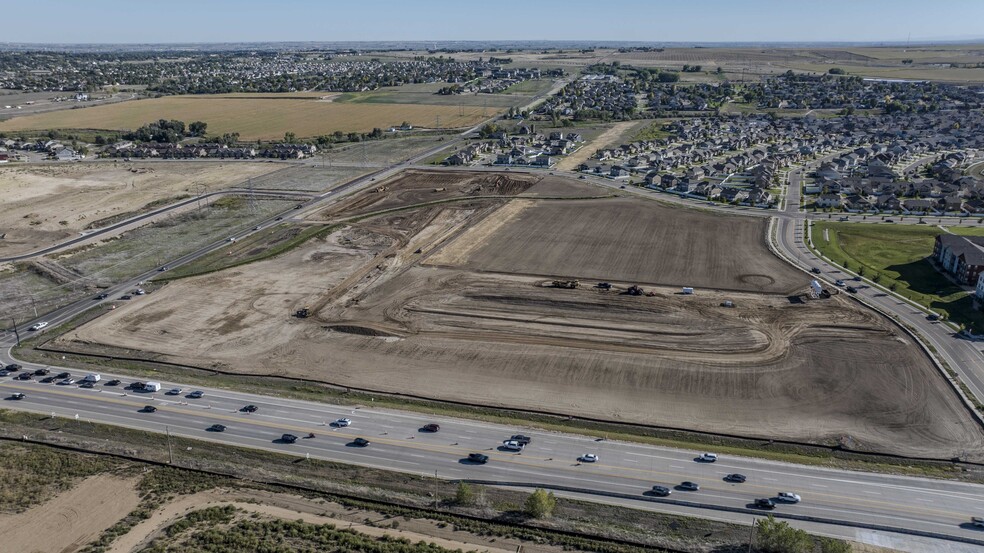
170, 455
17, 334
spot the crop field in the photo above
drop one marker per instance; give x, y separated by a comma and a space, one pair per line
381, 152
257, 118
448, 292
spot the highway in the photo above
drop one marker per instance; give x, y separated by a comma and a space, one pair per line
397, 443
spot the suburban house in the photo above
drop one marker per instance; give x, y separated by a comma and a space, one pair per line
960, 256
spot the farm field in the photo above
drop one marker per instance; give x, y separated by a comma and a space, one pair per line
41, 205
900, 255
382, 152
262, 117
449, 293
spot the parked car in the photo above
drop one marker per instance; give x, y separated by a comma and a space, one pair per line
765, 503
736, 478
342, 423
689, 486
478, 458
661, 491
217, 428
197, 394
360, 442
431, 427
588, 458
788, 497
512, 445
38, 326
707, 457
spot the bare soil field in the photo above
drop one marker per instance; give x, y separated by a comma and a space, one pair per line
41, 205
72, 519
443, 302
257, 117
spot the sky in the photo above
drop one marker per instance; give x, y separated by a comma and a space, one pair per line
176, 21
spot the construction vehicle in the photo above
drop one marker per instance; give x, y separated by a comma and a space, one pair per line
302, 313
571, 284
635, 290
605, 285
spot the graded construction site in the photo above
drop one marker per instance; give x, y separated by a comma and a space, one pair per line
441, 284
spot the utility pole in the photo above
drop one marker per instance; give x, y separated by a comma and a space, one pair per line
170, 455
435, 489
751, 535
17, 334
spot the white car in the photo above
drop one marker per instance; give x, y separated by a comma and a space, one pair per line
38, 326
588, 458
343, 423
789, 497
174, 391
707, 457
512, 445
978, 522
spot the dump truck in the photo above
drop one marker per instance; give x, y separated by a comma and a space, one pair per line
302, 313
566, 284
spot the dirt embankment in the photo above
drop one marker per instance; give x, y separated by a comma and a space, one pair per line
72, 519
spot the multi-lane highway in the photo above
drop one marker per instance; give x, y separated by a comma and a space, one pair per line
397, 443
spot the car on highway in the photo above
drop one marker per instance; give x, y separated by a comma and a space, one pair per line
217, 428
4, 372
38, 326
25, 376
736, 478
250, 409
588, 458
478, 458
17, 395
342, 423
661, 491
87, 384
174, 391
852, 289
113, 382
932, 317
67, 381
689, 486
149, 409
41, 372
197, 394
48, 380
788, 497
360, 442
765, 503
815, 271
102, 296
977, 522
256, 228
432, 427
126, 297
889, 220
512, 445
162, 269
13, 367
839, 283
63, 375
288, 438
707, 457
523, 440
139, 292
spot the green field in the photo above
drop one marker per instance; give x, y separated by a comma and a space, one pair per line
531, 87
897, 257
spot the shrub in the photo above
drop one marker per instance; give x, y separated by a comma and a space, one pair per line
540, 504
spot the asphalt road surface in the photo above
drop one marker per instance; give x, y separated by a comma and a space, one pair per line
397, 443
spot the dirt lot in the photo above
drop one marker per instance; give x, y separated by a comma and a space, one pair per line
462, 313
72, 519
44, 204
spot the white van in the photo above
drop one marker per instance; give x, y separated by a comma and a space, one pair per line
152, 387
92, 378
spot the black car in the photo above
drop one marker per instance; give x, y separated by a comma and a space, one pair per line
41, 372
87, 384
815, 271
932, 317
25, 376
149, 409
126, 297
48, 379
63, 375
250, 409
689, 486
523, 440
113, 382
661, 491
431, 427
217, 428
4, 372
736, 478
852, 289
765, 503
478, 458
102, 296
288, 438
18, 395
13, 367
360, 442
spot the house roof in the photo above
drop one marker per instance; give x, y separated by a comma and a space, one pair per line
971, 248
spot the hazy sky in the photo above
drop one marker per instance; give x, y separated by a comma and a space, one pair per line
130, 21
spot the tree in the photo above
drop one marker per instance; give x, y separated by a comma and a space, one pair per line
540, 504
464, 495
835, 71
861, 270
197, 128
290, 137
780, 537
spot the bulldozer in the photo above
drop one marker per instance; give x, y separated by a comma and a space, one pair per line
570, 284
302, 313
